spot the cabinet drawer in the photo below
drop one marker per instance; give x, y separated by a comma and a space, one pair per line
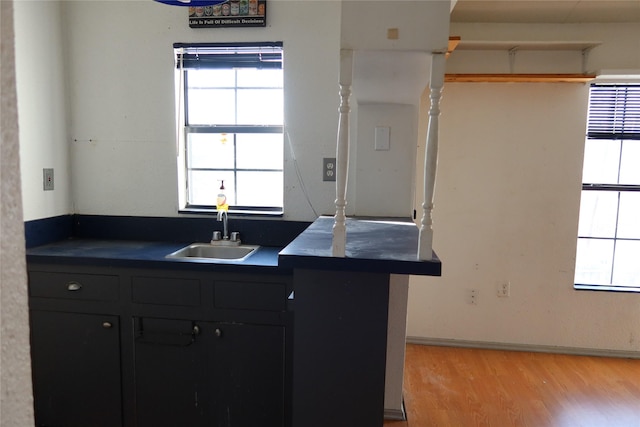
250, 295
95, 287
166, 291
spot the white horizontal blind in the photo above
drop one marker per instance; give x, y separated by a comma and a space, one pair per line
614, 112
261, 56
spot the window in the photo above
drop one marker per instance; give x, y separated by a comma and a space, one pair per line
230, 118
608, 254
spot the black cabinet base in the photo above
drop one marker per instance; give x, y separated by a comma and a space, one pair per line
340, 343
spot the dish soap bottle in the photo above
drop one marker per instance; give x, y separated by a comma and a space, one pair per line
221, 200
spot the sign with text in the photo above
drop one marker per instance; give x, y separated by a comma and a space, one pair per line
231, 13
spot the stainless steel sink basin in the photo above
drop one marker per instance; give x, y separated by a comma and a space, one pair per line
214, 252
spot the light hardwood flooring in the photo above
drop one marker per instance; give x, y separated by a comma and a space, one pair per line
457, 387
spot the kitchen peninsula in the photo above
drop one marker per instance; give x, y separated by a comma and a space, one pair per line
312, 328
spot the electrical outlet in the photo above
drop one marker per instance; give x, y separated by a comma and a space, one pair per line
329, 169
472, 296
47, 179
504, 289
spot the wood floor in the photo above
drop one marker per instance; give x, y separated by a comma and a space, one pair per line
469, 387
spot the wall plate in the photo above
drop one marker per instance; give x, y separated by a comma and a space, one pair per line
47, 179
329, 169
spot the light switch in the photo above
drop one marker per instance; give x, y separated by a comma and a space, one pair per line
381, 139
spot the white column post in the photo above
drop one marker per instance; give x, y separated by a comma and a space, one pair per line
425, 242
342, 154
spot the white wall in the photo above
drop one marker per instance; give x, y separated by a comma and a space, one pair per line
506, 207
42, 107
386, 92
122, 105
508, 183
421, 26
381, 178
119, 138
121, 129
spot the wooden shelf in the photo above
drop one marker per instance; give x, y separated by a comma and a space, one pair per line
514, 46
526, 45
453, 43
519, 78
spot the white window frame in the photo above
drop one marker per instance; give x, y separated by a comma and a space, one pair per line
270, 54
610, 121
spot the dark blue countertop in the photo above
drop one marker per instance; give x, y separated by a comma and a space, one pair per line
126, 253
372, 245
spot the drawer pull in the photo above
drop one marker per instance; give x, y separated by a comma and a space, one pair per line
218, 332
169, 335
107, 325
74, 286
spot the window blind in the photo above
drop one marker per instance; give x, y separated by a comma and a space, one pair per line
614, 112
223, 55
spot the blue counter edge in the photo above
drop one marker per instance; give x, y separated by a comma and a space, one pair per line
382, 246
144, 254
127, 241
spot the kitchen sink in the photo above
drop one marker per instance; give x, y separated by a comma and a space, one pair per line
214, 252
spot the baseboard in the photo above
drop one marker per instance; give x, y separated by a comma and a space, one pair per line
395, 414
441, 342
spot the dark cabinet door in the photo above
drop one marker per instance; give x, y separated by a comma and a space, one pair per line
168, 373
192, 374
76, 369
246, 365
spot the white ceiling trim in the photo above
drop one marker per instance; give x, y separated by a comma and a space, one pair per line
546, 11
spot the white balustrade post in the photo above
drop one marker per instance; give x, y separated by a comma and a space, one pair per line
342, 155
425, 241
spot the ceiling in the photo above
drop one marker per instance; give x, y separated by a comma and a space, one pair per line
547, 11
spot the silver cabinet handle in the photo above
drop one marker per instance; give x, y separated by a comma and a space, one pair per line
196, 330
107, 325
218, 332
74, 286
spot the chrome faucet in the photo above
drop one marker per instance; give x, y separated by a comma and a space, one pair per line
222, 216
